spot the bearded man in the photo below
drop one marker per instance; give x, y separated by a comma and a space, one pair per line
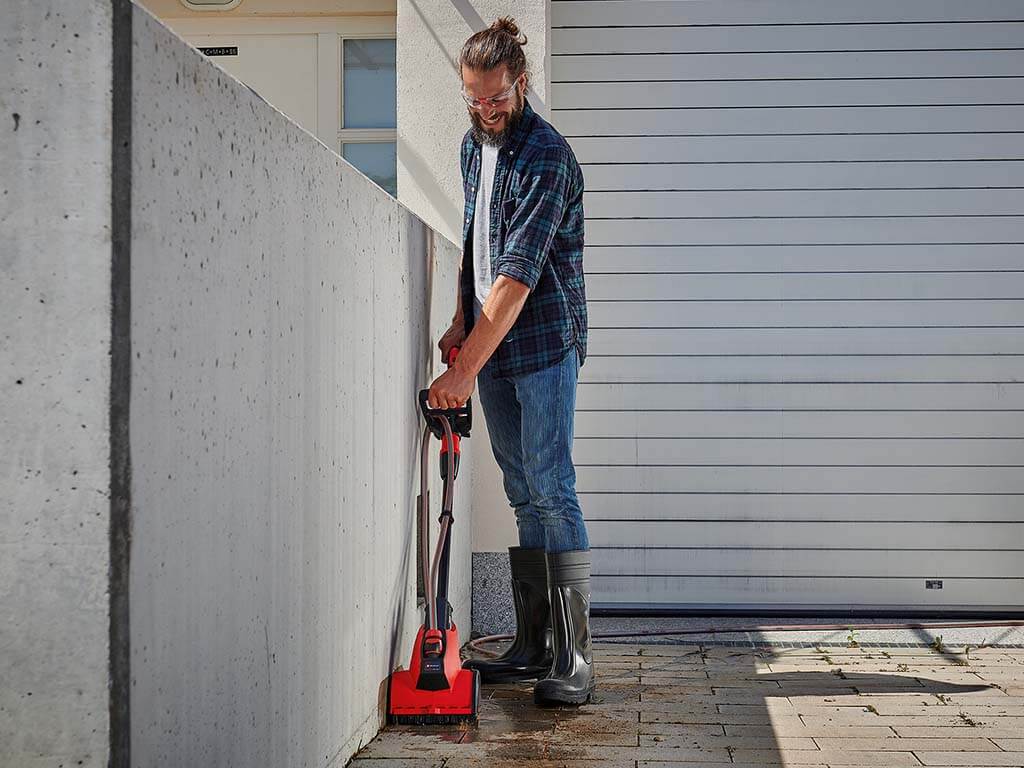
521, 324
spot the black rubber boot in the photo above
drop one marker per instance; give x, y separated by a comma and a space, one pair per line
571, 680
529, 656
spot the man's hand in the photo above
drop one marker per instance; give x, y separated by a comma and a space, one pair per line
451, 389
455, 336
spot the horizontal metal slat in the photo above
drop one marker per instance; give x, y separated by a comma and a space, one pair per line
872, 257
800, 341
789, 287
833, 563
800, 424
805, 149
863, 506
726, 537
794, 231
939, 35
794, 453
795, 314
839, 592
651, 65
698, 121
599, 13
940, 480
622, 397
788, 93
805, 203
935, 368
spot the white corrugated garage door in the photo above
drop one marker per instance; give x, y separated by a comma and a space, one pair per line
806, 282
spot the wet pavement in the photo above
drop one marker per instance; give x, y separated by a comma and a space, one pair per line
695, 705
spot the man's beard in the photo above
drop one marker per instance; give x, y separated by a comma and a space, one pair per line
483, 136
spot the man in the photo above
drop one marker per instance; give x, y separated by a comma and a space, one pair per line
521, 324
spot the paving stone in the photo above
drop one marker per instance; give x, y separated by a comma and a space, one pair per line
971, 759
950, 744
509, 760
811, 731
756, 717
731, 742
680, 729
952, 720
895, 707
823, 757
838, 699
371, 762
656, 675
847, 716
986, 731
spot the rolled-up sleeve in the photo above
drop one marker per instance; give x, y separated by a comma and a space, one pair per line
540, 209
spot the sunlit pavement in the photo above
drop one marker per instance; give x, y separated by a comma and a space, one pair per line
839, 704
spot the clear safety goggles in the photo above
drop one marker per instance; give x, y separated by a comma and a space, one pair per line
494, 102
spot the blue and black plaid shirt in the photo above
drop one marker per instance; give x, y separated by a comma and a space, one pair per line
536, 237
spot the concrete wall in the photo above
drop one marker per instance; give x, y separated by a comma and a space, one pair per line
282, 316
281, 328
432, 120
55, 170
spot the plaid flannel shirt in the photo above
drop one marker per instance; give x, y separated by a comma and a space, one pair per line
536, 238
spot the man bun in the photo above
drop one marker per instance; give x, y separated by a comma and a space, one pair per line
508, 25
501, 43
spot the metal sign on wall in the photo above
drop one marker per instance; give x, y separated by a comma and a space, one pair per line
219, 50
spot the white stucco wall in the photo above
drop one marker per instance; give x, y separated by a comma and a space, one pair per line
432, 120
281, 307
55, 165
432, 117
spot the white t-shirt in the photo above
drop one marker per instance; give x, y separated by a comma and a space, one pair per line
482, 229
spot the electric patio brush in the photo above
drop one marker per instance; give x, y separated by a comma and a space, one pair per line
436, 688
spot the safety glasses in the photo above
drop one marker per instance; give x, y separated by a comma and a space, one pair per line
494, 102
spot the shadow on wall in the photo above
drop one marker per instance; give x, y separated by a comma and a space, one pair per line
426, 178
419, 248
475, 23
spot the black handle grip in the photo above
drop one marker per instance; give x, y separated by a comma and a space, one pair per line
460, 419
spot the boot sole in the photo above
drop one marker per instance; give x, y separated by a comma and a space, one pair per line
569, 698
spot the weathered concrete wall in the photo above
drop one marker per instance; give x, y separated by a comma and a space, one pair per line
432, 120
282, 316
55, 170
282, 324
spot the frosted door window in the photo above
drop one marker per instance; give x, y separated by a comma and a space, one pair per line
370, 82
377, 160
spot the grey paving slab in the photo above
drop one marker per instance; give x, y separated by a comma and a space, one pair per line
995, 732
660, 706
950, 744
823, 757
971, 759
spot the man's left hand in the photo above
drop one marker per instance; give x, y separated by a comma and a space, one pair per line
451, 389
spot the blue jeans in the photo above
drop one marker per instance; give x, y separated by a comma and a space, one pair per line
530, 420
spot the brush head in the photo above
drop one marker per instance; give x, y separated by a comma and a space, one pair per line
409, 705
432, 719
